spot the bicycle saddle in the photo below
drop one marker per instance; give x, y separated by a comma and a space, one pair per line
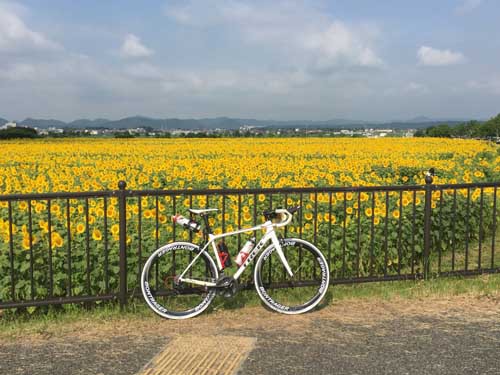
202, 211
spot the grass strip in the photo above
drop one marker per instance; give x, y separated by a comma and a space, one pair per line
20, 322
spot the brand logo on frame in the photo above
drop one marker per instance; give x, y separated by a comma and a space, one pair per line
176, 247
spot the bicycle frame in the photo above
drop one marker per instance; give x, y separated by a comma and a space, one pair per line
270, 235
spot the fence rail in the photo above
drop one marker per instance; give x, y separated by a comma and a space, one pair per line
80, 247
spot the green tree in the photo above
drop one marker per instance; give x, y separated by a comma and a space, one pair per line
123, 135
440, 131
420, 133
491, 128
470, 129
18, 132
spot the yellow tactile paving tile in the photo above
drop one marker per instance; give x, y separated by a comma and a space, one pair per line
198, 355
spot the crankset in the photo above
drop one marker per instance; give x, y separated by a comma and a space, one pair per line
226, 286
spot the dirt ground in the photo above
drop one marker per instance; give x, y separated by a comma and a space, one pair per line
454, 335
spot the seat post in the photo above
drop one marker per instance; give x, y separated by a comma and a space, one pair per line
207, 230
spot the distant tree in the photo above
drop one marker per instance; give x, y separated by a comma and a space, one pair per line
491, 128
18, 132
470, 129
164, 135
123, 135
195, 135
71, 133
440, 131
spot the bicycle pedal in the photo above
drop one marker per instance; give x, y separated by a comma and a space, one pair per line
227, 294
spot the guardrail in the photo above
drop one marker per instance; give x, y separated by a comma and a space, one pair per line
81, 247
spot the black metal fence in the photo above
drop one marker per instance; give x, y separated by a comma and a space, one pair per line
81, 247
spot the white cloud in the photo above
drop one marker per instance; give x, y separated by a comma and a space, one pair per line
15, 35
403, 89
467, 6
434, 57
305, 36
17, 72
143, 71
490, 85
220, 81
416, 88
339, 44
132, 47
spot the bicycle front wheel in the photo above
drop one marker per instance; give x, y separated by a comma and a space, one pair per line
297, 294
161, 288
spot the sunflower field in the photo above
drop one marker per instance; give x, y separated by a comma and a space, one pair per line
91, 164
57, 247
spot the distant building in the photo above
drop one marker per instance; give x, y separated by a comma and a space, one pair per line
179, 132
55, 130
9, 125
410, 133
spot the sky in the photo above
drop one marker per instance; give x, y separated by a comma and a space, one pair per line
282, 59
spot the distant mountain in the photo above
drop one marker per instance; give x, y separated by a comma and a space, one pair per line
38, 123
221, 122
175, 123
424, 119
334, 123
420, 119
85, 123
231, 123
3, 121
135, 122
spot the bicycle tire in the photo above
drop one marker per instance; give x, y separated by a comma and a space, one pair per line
295, 295
171, 299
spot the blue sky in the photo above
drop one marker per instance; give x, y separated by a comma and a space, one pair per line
292, 59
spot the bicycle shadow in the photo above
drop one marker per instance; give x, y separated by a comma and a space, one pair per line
243, 298
326, 301
246, 298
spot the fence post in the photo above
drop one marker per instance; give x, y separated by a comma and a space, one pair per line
427, 221
122, 204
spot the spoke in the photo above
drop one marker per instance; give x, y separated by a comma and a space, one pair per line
179, 297
299, 291
297, 270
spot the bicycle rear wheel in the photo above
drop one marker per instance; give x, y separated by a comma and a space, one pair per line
163, 292
297, 294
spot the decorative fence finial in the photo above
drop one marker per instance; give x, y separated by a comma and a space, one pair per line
429, 176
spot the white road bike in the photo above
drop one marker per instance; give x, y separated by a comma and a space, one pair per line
181, 279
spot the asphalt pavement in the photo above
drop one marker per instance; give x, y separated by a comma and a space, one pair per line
459, 335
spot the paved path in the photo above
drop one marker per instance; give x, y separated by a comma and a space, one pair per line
459, 335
